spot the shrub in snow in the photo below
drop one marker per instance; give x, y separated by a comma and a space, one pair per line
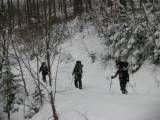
29, 114
9, 89
92, 55
157, 38
66, 57
132, 38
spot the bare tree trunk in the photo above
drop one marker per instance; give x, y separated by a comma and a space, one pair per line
18, 13
28, 10
65, 9
77, 7
38, 11
48, 40
39, 88
57, 71
20, 66
50, 83
45, 10
54, 8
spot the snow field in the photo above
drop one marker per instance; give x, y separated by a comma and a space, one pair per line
96, 101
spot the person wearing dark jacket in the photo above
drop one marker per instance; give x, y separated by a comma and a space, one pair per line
123, 76
77, 72
44, 70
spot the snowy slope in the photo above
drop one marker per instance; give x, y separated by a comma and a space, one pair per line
97, 101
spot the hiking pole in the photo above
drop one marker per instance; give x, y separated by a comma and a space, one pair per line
110, 86
72, 82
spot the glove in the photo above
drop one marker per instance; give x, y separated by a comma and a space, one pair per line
112, 77
128, 79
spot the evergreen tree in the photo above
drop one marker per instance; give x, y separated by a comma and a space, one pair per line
10, 85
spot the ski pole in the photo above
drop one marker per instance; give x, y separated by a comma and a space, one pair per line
110, 84
72, 81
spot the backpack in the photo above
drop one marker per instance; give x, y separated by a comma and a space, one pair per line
78, 68
123, 67
43, 68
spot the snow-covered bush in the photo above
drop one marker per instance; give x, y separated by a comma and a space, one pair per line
134, 38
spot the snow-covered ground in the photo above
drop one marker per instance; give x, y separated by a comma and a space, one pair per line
97, 101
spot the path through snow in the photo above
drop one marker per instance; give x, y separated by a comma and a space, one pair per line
95, 101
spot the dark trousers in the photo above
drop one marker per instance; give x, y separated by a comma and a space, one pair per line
123, 83
78, 81
44, 77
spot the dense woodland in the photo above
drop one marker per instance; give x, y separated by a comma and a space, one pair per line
33, 30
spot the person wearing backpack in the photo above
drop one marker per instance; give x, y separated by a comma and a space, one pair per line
77, 72
44, 70
123, 75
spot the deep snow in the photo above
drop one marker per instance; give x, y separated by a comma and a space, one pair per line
97, 101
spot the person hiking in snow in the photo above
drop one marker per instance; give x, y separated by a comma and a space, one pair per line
92, 56
123, 75
44, 70
77, 72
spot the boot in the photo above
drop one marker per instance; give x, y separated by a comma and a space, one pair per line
123, 92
